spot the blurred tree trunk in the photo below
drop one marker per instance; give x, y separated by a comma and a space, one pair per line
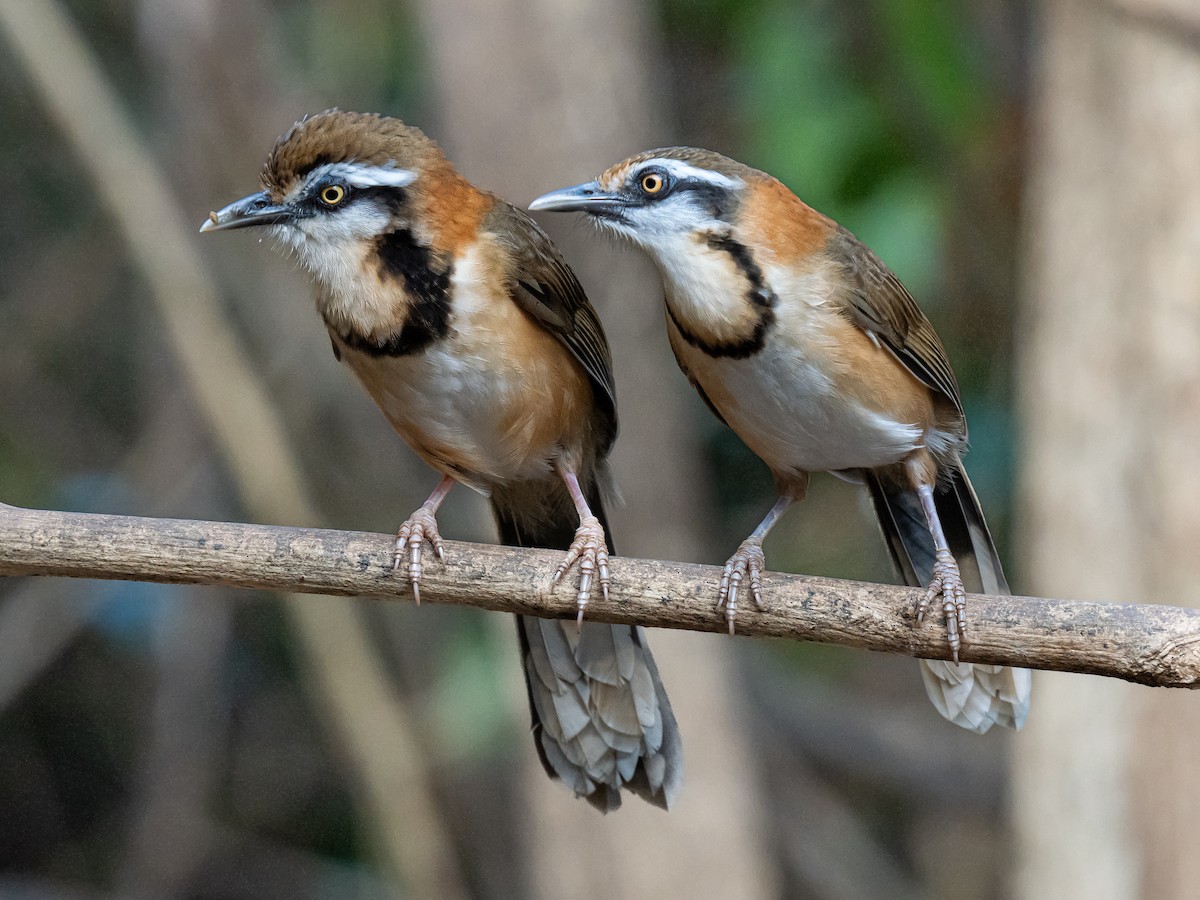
535, 95
1106, 784
171, 833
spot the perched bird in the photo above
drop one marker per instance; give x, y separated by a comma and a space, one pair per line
801, 340
462, 321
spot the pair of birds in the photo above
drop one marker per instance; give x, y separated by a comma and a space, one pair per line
465, 325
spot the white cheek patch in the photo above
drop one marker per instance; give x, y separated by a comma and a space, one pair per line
677, 214
288, 235
354, 222
330, 247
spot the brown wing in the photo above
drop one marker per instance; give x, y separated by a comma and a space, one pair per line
880, 304
545, 287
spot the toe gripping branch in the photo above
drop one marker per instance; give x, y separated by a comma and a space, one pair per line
420, 527
947, 582
590, 550
747, 563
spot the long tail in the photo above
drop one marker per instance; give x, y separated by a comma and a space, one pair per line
601, 718
968, 694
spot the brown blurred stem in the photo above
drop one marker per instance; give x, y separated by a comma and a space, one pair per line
1148, 644
368, 718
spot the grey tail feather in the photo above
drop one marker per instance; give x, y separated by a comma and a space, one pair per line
554, 530
549, 533
970, 695
908, 539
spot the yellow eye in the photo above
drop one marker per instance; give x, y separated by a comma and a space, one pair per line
332, 194
652, 183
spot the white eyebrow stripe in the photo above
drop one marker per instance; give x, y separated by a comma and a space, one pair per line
680, 169
361, 175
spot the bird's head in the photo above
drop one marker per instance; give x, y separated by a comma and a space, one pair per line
334, 183
655, 197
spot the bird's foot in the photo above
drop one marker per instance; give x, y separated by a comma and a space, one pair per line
590, 550
747, 563
420, 527
947, 582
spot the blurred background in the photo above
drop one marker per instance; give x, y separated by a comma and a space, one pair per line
1031, 171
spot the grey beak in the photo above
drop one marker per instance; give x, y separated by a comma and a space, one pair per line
257, 209
581, 198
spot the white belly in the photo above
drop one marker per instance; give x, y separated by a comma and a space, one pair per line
781, 402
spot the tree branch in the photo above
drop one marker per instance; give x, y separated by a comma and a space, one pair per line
1153, 645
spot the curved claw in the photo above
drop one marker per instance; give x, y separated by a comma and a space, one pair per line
747, 563
590, 550
420, 527
948, 583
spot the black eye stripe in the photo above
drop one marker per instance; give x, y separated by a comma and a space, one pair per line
718, 200
357, 193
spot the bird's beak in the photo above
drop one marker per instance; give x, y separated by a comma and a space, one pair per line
588, 198
257, 209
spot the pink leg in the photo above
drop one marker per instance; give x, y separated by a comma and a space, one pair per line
748, 564
589, 548
418, 528
946, 579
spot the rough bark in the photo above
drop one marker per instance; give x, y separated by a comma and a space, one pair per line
1153, 645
